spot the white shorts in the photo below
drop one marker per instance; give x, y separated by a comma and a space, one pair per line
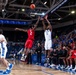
3, 50
48, 44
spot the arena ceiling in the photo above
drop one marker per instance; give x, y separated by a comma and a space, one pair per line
20, 10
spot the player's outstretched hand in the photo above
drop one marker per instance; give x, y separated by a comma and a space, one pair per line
46, 17
38, 17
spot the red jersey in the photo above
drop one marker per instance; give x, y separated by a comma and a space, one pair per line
73, 54
31, 34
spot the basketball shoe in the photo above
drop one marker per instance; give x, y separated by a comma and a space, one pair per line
8, 70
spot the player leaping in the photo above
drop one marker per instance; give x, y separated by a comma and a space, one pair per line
30, 39
48, 36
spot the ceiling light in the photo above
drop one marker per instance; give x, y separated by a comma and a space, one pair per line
23, 10
72, 12
32, 1
45, 2
40, 14
3, 10
59, 18
43, 13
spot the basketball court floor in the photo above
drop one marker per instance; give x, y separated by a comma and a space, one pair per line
24, 69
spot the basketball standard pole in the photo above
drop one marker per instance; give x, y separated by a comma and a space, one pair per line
55, 7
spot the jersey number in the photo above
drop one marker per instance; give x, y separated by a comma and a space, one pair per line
31, 33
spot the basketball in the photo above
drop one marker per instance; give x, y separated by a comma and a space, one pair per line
32, 6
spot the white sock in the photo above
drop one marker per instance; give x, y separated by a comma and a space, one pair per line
68, 66
23, 55
75, 66
8, 66
71, 66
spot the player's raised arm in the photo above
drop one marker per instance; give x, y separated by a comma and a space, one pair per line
44, 26
19, 29
35, 26
49, 24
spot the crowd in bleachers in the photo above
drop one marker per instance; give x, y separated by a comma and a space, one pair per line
63, 47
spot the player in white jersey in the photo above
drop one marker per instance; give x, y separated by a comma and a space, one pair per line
3, 51
48, 36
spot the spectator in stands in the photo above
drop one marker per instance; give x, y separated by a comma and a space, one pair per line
39, 52
54, 58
